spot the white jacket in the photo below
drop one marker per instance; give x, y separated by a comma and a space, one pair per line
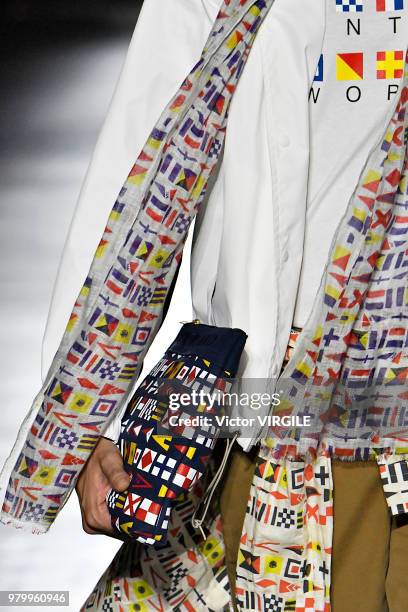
292, 158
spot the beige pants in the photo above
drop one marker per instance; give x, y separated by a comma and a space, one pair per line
370, 550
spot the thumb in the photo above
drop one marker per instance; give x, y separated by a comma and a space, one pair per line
112, 467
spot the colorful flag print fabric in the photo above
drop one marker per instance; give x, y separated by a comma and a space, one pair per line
120, 306
349, 369
164, 451
187, 572
284, 558
390, 5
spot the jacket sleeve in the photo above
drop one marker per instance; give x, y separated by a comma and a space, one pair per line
167, 41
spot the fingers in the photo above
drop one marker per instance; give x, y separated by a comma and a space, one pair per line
112, 466
103, 471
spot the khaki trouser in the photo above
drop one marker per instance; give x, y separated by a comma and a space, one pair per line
370, 549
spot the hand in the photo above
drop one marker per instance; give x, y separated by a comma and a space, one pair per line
103, 471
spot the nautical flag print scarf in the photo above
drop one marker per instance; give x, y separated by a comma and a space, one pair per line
120, 306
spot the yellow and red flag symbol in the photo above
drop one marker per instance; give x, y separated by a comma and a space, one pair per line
390, 64
350, 66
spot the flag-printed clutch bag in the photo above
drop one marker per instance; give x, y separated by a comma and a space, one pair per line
164, 443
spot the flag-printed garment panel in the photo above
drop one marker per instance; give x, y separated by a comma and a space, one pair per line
163, 452
357, 345
120, 306
187, 572
284, 564
284, 558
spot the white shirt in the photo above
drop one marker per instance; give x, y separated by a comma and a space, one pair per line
346, 120
289, 167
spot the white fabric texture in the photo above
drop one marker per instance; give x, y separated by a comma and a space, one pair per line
261, 243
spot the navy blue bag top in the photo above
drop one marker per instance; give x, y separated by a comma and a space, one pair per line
164, 453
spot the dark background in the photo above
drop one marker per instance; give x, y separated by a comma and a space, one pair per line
39, 38
18, 10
